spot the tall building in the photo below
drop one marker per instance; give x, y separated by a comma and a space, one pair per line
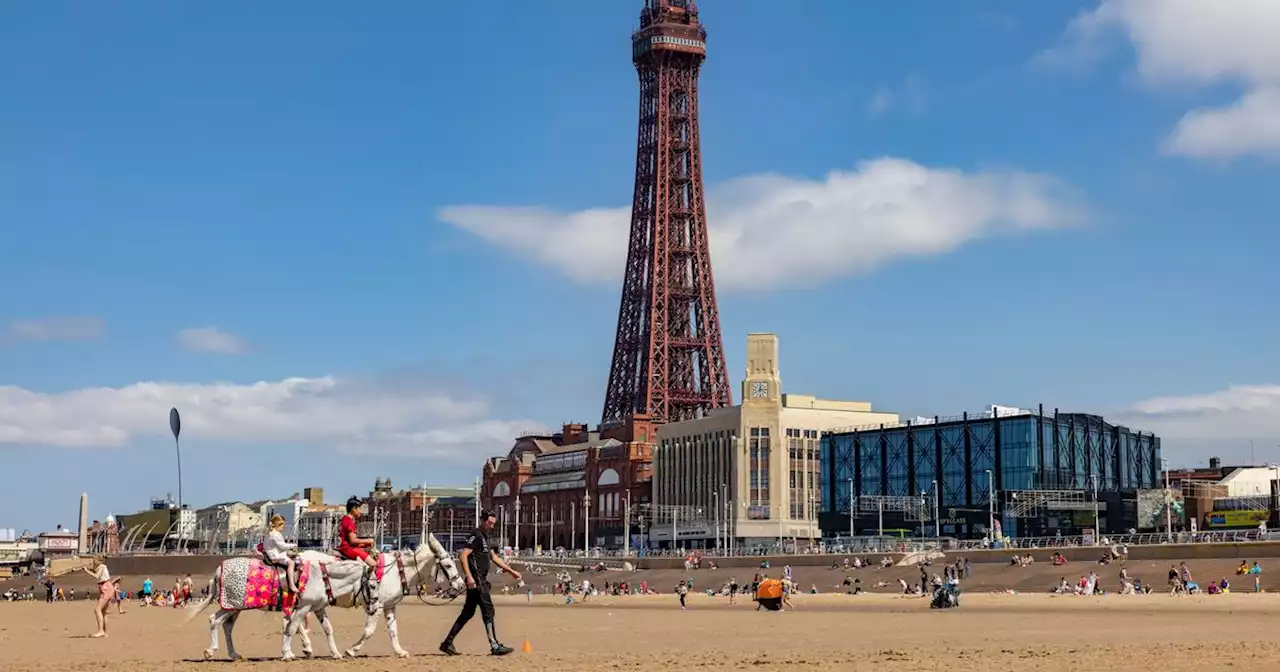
747, 475
1032, 474
571, 489
398, 516
668, 356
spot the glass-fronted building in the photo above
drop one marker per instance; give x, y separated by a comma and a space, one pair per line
1025, 452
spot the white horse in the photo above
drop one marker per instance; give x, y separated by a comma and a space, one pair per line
326, 578
392, 589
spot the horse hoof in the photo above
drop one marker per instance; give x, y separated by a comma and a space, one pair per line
402, 654
352, 653
208, 654
337, 656
288, 657
309, 654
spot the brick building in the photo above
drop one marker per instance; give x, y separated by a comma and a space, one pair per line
562, 489
450, 514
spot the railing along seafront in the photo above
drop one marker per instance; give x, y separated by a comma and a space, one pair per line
843, 546
1142, 539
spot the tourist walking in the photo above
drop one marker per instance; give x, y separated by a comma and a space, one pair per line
476, 559
106, 590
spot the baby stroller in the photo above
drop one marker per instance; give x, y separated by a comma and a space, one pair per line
945, 597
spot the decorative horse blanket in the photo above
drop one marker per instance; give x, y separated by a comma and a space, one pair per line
248, 583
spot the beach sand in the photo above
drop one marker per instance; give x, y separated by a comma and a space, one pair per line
1026, 632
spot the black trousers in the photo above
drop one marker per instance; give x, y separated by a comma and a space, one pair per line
477, 598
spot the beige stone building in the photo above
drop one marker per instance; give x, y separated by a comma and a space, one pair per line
747, 475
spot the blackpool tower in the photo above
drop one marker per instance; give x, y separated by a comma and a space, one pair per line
668, 356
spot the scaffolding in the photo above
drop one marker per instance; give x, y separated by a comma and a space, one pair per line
1034, 503
914, 509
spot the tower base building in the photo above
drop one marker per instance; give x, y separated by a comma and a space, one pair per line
747, 475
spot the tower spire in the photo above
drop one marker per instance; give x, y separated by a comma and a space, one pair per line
668, 356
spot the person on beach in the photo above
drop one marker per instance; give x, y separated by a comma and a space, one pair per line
106, 590
475, 558
276, 550
352, 546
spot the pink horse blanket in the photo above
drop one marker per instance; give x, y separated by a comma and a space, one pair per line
249, 583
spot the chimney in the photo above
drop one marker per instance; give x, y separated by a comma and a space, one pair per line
1215, 463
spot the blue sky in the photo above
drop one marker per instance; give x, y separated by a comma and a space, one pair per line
353, 242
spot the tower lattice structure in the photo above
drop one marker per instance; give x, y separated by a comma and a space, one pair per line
668, 357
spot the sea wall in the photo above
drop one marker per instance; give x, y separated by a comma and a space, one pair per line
164, 565
1239, 550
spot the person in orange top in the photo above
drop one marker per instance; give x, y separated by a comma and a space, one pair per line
350, 545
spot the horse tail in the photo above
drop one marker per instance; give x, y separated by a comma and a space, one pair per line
207, 601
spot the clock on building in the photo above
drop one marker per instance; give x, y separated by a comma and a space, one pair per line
759, 389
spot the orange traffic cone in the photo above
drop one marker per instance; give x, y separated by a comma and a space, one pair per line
527, 648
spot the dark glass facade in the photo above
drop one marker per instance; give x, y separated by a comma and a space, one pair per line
1026, 451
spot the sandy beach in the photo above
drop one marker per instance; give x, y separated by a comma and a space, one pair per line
1026, 632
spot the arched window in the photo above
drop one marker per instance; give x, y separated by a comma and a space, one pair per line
502, 489
608, 477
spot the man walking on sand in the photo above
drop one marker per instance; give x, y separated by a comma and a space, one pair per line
475, 559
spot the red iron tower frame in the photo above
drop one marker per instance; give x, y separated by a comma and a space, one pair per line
668, 357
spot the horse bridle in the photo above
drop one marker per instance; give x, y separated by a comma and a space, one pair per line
417, 570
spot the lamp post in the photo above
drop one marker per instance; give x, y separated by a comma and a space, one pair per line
1168, 501
477, 502
1097, 531
810, 513
851, 503
715, 506
516, 541
1275, 468
586, 523
675, 513
726, 512
502, 522
991, 506
626, 526
537, 522
937, 518
175, 426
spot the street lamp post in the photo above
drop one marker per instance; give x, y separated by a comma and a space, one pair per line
715, 506
502, 522
1097, 531
851, 514
516, 542
626, 527
937, 519
175, 425
586, 522
1168, 502
537, 522
991, 506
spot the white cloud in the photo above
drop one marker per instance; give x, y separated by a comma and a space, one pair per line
1250, 126
1199, 43
1237, 413
908, 97
344, 414
770, 230
53, 329
211, 339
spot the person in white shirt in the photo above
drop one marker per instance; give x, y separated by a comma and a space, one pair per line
276, 549
106, 590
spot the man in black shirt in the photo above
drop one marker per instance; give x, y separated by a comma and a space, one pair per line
475, 559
